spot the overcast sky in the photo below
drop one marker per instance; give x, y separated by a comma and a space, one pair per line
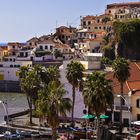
22, 19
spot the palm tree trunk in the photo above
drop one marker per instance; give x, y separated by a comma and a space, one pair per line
31, 111
121, 100
73, 102
30, 107
54, 134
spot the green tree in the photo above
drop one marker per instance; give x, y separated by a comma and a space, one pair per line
53, 74
97, 94
32, 79
126, 36
58, 53
30, 84
121, 72
51, 102
74, 74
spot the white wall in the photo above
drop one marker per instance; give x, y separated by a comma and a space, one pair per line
11, 73
79, 105
43, 45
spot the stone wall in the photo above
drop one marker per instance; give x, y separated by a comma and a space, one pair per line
10, 86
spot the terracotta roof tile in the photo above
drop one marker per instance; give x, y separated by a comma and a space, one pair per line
89, 17
133, 81
49, 41
1, 49
131, 4
64, 46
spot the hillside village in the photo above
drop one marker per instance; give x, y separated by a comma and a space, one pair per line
82, 44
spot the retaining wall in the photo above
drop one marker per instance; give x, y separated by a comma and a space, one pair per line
10, 86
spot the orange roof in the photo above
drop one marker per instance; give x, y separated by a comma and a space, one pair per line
64, 46
89, 17
1, 49
131, 4
49, 41
133, 81
62, 27
33, 39
93, 39
13, 43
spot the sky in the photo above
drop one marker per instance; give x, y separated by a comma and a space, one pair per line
21, 20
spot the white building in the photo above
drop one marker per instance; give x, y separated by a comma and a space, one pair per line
46, 45
10, 70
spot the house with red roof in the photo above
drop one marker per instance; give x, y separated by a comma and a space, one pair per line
133, 101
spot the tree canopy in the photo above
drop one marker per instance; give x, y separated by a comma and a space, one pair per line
127, 34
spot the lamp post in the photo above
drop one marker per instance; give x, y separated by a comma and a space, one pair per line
6, 111
128, 106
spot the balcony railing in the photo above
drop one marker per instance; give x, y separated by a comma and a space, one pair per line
124, 108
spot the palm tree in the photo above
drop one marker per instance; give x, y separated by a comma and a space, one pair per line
30, 84
74, 73
53, 104
53, 74
97, 94
121, 72
32, 79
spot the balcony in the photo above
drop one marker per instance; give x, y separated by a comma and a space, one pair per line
124, 108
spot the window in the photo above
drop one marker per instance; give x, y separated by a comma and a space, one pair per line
84, 23
126, 122
46, 47
138, 117
51, 47
138, 103
122, 101
11, 65
41, 47
116, 116
21, 54
62, 36
26, 54
89, 22
13, 47
96, 27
